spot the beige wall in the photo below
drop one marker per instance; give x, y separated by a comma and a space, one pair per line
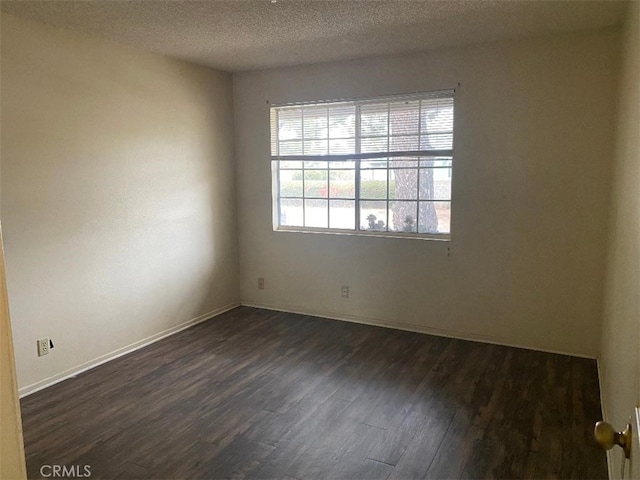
117, 195
533, 142
620, 357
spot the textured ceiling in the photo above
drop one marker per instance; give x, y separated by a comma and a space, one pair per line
252, 34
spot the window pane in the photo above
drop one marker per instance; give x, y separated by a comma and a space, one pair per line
403, 216
437, 115
437, 124
291, 183
404, 118
373, 145
291, 213
290, 124
316, 165
434, 217
406, 162
315, 122
315, 183
435, 184
291, 148
288, 164
316, 213
436, 162
342, 214
342, 164
436, 141
342, 121
377, 163
403, 184
373, 216
342, 146
374, 119
342, 183
373, 184
404, 144
316, 147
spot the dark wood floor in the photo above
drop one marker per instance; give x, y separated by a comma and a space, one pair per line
260, 394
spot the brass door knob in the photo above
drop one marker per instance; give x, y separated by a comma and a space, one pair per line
607, 437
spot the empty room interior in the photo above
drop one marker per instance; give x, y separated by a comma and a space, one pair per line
341, 239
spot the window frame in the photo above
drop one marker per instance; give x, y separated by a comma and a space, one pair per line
424, 155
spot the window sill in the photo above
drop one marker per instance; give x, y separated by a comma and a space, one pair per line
439, 237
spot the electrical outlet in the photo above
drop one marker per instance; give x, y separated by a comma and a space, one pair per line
43, 346
345, 291
261, 283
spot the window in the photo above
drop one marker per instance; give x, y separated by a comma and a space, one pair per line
378, 166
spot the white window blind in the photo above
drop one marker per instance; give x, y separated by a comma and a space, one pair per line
396, 126
377, 165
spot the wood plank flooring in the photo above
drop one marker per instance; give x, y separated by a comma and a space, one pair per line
260, 394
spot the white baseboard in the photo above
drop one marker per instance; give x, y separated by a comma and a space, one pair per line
72, 372
438, 332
